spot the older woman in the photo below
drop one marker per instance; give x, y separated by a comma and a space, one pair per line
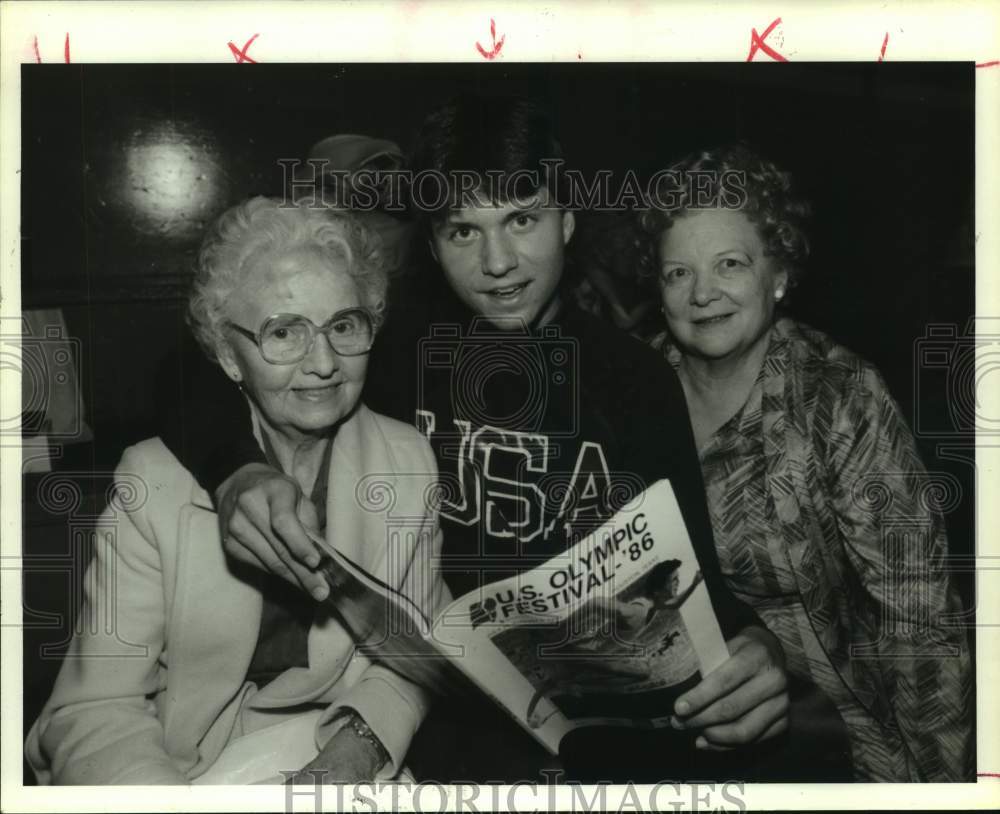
200, 652
794, 432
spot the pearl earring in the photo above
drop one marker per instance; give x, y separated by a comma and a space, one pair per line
779, 293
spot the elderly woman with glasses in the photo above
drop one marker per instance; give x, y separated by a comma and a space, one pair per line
179, 653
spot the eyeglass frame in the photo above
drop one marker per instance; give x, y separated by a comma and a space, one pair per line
314, 331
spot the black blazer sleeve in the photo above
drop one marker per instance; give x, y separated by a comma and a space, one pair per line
663, 447
205, 421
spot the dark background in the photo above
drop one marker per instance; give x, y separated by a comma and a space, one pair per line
884, 151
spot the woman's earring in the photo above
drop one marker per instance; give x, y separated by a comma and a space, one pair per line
779, 293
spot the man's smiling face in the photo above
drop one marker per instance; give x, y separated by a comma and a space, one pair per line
505, 261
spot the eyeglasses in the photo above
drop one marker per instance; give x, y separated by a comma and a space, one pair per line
284, 339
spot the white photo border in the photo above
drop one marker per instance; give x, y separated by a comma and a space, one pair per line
558, 31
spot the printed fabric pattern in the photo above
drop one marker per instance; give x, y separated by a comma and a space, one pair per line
828, 524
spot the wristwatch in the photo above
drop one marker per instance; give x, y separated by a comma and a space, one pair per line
357, 724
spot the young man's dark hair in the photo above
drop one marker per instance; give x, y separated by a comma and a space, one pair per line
485, 149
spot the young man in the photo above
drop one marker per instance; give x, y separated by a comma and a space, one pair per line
543, 419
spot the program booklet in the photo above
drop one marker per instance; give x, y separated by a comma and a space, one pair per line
611, 631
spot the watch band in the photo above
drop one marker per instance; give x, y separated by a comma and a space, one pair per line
360, 728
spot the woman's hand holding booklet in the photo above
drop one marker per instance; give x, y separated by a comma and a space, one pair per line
612, 631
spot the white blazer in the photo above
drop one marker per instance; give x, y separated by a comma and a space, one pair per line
153, 685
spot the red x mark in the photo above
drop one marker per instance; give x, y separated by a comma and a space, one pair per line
757, 43
241, 56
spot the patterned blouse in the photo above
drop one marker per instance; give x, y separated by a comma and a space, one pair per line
825, 524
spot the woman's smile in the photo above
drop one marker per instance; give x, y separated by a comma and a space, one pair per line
320, 393
709, 322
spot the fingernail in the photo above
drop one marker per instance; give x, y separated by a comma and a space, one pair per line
320, 592
700, 743
683, 707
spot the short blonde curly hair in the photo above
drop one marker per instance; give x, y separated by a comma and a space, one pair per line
267, 224
766, 195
